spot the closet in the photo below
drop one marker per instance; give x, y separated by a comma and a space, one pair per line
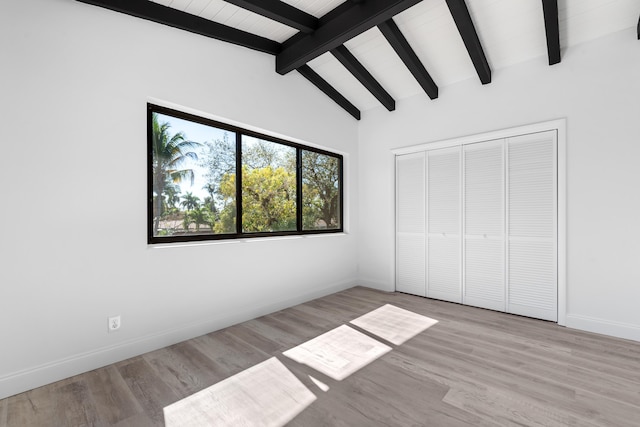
476, 224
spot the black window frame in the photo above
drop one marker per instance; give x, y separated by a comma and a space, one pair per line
238, 132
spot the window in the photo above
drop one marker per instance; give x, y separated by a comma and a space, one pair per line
321, 195
269, 190
208, 180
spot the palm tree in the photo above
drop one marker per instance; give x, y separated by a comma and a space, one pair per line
211, 189
172, 193
199, 215
169, 153
189, 201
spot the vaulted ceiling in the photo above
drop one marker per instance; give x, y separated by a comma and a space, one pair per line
366, 53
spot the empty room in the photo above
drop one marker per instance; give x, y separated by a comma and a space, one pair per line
320, 213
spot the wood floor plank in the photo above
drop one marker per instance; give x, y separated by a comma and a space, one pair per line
113, 399
612, 365
4, 406
559, 366
276, 332
367, 393
138, 420
575, 377
487, 372
476, 386
500, 408
608, 411
255, 339
74, 405
34, 407
303, 326
475, 367
231, 354
315, 314
338, 311
292, 326
529, 384
185, 368
151, 392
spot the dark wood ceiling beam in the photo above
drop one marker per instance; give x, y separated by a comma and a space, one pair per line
550, 11
400, 44
354, 66
329, 90
280, 11
354, 19
185, 21
467, 30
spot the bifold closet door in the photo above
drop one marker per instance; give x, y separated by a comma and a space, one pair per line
484, 225
444, 279
532, 285
410, 224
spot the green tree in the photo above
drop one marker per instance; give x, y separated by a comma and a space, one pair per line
172, 197
218, 160
210, 200
199, 215
227, 189
258, 154
320, 190
190, 201
268, 199
170, 153
186, 222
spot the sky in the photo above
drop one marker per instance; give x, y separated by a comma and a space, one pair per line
202, 133
198, 133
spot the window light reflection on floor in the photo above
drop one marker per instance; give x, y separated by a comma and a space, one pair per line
269, 394
266, 394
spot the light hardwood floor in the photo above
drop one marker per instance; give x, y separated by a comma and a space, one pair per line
474, 368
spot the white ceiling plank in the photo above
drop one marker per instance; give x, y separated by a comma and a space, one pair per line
343, 81
510, 31
585, 20
197, 6
213, 9
433, 35
379, 58
180, 4
317, 8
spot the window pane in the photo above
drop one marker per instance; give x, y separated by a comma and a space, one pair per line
320, 191
193, 178
268, 186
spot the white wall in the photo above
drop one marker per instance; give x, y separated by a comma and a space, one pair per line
597, 88
74, 82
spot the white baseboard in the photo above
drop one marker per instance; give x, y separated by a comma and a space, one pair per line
374, 284
602, 326
30, 378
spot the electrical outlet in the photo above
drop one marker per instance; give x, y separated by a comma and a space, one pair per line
114, 323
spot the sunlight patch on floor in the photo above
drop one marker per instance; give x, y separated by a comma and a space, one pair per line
267, 394
394, 324
339, 352
322, 386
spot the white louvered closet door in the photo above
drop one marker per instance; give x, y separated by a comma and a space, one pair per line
484, 225
532, 286
444, 222
410, 217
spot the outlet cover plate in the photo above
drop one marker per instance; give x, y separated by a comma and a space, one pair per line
114, 323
